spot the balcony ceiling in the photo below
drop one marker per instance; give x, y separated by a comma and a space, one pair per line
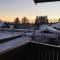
40, 1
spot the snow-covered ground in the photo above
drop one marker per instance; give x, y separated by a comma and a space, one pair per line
14, 43
37, 36
51, 34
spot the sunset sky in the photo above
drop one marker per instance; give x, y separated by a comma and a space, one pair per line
10, 9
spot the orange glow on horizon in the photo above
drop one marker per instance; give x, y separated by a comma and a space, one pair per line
31, 19
7, 19
11, 19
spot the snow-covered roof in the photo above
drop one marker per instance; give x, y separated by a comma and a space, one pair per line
57, 25
49, 28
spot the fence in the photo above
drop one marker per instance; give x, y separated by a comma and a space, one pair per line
33, 51
41, 51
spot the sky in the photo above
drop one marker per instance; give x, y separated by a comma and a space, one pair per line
10, 9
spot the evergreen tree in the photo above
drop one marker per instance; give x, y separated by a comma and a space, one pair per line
37, 21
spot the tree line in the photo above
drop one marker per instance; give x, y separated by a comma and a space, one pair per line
25, 22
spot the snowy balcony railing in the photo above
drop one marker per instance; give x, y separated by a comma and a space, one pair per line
43, 51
